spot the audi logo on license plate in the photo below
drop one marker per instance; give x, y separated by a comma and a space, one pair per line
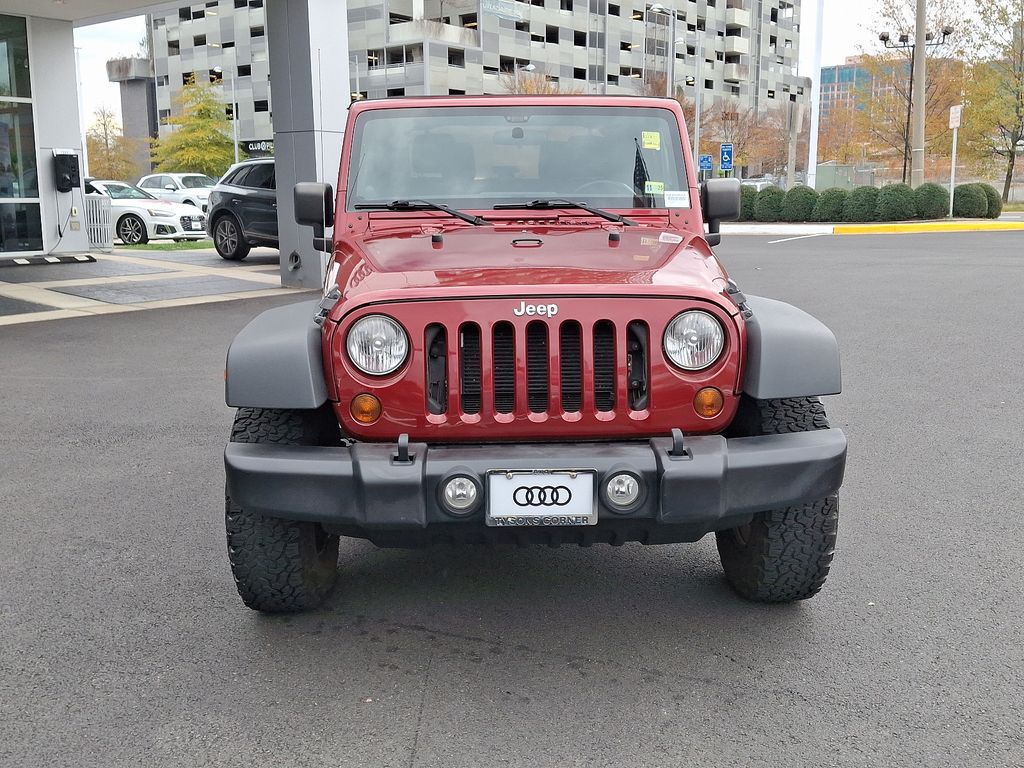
542, 496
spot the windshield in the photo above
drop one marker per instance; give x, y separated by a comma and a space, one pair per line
197, 182
126, 192
480, 157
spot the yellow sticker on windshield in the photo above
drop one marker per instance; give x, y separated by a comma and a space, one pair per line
652, 140
654, 188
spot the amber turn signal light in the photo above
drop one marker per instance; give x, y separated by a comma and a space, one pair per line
365, 408
708, 402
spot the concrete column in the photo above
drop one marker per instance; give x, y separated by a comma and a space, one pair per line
55, 101
310, 83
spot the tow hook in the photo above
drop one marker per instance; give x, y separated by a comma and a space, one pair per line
678, 451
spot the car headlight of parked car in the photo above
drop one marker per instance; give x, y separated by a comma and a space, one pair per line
377, 345
159, 214
694, 340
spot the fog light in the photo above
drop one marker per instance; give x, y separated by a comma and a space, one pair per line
708, 402
365, 408
623, 490
460, 495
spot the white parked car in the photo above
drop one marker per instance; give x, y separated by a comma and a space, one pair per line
187, 188
139, 217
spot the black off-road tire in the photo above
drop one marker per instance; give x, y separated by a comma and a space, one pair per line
281, 566
782, 555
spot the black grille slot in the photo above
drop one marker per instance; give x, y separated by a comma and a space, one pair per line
504, 353
604, 365
570, 356
436, 346
537, 379
470, 368
638, 356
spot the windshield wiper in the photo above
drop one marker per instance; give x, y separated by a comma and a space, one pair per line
422, 205
560, 203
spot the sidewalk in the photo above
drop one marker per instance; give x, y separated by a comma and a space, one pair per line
133, 280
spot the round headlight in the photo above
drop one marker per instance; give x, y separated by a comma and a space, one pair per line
694, 340
377, 345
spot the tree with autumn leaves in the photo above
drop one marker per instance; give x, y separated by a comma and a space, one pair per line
111, 155
989, 83
200, 137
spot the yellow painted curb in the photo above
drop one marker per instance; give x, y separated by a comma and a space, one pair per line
929, 226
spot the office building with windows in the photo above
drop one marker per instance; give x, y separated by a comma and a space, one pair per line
749, 50
221, 41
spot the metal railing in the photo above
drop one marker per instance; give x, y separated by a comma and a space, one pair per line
99, 223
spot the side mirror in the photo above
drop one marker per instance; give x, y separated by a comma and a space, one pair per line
314, 207
720, 201
171, 188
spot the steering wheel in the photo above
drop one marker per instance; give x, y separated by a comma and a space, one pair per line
618, 186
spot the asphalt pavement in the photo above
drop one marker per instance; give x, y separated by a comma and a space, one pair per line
122, 641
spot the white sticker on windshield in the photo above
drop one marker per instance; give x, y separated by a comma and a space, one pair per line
677, 199
668, 237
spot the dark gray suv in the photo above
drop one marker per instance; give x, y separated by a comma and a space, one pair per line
243, 209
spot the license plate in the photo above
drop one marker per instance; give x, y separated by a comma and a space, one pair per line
564, 497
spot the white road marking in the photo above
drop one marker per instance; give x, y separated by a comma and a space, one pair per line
789, 239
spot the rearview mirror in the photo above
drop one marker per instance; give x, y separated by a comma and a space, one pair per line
314, 207
314, 204
720, 201
171, 188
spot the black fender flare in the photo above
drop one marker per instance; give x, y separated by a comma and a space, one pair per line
789, 353
276, 361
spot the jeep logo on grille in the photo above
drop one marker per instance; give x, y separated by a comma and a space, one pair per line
544, 310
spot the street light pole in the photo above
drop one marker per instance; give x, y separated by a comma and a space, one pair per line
812, 153
911, 136
920, 81
698, 98
234, 113
234, 107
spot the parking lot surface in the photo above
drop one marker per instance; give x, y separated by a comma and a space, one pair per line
124, 643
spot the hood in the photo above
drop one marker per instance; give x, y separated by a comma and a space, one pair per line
505, 260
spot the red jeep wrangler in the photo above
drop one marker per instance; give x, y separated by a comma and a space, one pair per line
525, 336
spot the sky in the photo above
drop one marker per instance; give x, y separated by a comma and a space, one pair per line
847, 33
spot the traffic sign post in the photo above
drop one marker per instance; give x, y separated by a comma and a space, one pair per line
707, 164
955, 116
726, 157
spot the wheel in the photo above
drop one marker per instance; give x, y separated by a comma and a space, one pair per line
782, 555
228, 240
132, 230
281, 566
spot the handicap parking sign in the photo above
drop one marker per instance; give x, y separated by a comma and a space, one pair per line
727, 157
707, 163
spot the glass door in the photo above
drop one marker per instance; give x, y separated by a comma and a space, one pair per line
20, 225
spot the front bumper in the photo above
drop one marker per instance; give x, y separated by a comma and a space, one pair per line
363, 490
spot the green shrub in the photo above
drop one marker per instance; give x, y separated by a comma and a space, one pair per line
861, 205
830, 205
970, 202
896, 203
995, 201
748, 198
768, 206
931, 201
799, 204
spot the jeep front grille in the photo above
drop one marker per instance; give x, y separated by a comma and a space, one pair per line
531, 361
